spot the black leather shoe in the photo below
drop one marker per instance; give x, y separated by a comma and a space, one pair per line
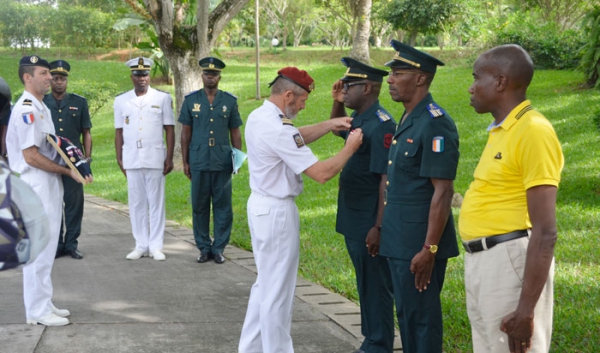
76, 254
204, 256
219, 258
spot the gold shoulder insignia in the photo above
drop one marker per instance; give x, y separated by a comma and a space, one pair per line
287, 121
27, 102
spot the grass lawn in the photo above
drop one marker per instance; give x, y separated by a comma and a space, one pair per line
323, 255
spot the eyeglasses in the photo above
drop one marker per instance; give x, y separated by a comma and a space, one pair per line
400, 72
347, 85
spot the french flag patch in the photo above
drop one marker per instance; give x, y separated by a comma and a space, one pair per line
438, 144
28, 118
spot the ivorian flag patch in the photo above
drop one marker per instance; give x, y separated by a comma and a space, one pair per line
438, 144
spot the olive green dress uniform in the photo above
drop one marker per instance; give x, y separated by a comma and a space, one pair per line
412, 164
70, 118
211, 165
358, 200
424, 146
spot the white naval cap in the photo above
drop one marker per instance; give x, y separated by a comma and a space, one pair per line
140, 65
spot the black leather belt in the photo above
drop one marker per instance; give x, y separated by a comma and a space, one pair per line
489, 242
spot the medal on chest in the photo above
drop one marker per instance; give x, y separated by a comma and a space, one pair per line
127, 120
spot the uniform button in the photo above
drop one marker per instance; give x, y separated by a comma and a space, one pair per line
387, 183
390, 162
211, 120
73, 114
211, 108
384, 203
406, 153
59, 119
140, 127
211, 132
394, 142
61, 129
60, 110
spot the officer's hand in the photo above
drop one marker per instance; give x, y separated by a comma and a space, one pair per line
86, 180
422, 266
336, 91
373, 241
168, 166
340, 124
354, 139
186, 171
120, 163
519, 329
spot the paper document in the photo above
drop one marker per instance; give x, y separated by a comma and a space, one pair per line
237, 159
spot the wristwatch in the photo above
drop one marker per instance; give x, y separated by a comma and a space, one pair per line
432, 248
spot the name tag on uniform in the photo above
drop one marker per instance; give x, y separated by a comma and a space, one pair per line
73, 108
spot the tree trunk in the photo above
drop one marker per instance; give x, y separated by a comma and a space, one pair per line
360, 44
413, 37
183, 45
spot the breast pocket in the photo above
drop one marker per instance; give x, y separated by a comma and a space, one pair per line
409, 157
155, 114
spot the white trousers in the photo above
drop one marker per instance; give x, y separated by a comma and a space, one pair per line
146, 194
493, 281
37, 284
275, 229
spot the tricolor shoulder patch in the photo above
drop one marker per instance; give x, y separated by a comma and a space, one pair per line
298, 140
28, 118
435, 111
383, 117
437, 144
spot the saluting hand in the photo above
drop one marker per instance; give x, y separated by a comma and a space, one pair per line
336, 91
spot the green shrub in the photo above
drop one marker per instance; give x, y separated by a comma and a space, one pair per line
549, 46
96, 93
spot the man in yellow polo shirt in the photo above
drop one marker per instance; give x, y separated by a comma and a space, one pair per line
508, 219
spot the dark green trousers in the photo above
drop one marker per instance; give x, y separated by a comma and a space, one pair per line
70, 228
419, 313
374, 284
211, 188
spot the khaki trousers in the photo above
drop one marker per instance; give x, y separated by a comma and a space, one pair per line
493, 281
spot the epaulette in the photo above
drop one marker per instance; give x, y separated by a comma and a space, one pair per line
189, 94
122, 93
27, 102
435, 111
383, 117
230, 94
78, 96
286, 121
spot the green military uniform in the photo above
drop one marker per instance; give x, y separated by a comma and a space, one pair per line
358, 202
71, 117
424, 146
211, 165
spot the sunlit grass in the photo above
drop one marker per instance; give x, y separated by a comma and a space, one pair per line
323, 257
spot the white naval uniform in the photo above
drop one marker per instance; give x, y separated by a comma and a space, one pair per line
143, 119
30, 122
277, 157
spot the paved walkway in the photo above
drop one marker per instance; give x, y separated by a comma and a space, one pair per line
150, 306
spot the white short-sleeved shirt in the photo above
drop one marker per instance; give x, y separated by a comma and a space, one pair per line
277, 155
30, 123
143, 119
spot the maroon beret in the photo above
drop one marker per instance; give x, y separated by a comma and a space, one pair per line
299, 77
